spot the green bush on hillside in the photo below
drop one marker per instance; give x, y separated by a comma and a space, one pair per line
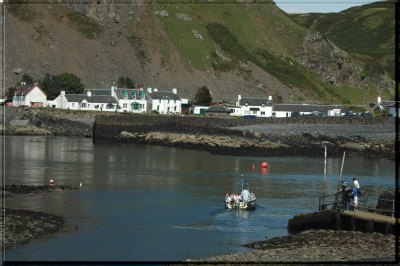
21, 9
88, 27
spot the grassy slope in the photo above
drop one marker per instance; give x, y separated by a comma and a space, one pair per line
367, 32
266, 35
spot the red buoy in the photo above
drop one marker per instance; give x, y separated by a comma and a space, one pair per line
264, 165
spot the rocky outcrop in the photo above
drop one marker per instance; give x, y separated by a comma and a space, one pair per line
328, 61
24, 225
303, 136
31, 121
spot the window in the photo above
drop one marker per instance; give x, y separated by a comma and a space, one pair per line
175, 109
158, 107
83, 105
262, 113
73, 104
125, 105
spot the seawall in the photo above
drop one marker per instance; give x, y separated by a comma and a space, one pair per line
360, 136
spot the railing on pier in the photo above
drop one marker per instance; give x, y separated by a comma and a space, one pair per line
370, 204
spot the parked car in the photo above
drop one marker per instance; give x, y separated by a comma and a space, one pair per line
350, 113
295, 114
367, 114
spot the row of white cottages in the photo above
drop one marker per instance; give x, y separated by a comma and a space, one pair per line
165, 102
112, 100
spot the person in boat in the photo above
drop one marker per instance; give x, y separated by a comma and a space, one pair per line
245, 195
346, 194
228, 198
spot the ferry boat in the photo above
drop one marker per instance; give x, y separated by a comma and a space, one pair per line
246, 200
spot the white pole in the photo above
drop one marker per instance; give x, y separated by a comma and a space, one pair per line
341, 170
325, 174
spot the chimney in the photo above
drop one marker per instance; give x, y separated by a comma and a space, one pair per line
270, 98
379, 100
149, 90
174, 91
238, 102
155, 89
62, 93
89, 93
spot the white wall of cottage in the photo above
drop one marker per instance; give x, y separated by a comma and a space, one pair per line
35, 95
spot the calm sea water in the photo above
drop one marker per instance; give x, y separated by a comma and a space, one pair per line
151, 203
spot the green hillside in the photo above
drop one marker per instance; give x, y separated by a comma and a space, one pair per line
232, 33
236, 46
367, 32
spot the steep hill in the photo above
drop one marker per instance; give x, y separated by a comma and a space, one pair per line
253, 49
367, 32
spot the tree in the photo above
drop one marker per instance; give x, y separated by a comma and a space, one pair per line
70, 83
10, 93
27, 79
125, 82
203, 96
51, 85
54, 84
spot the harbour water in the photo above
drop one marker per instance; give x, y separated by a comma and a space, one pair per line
152, 203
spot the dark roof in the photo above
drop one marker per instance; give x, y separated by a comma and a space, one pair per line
91, 99
168, 95
252, 101
386, 103
21, 91
25, 89
130, 93
98, 92
217, 109
306, 107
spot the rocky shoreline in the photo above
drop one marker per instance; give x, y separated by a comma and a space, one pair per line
316, 246
21, 226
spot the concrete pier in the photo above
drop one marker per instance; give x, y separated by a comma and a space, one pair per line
350, 221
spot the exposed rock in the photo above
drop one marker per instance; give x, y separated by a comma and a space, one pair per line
17, 71
197, 35
162, 13
317, 246
24, 225
328, 61
183, 17
117, 19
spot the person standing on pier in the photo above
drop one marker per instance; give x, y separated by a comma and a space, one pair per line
355, 193
346, 194
356, 184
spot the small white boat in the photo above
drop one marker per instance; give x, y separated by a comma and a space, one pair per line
246, 200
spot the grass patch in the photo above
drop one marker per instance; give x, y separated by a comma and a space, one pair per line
21, 9
88, 27
137, 44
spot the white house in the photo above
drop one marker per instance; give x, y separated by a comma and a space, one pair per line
130, 100
286, 110
252, 106
29, 96
85, 102
164, 102
199, 109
